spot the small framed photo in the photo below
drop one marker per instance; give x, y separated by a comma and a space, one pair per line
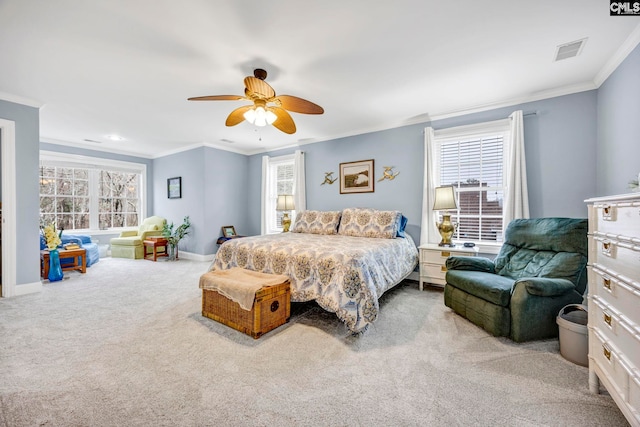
229, 231
357, 177
174, 188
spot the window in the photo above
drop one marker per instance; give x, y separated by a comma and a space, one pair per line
472, 159
279, 180
81, 193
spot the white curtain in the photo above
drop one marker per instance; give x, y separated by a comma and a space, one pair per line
263, 201
429, 232
299, 193
516, 197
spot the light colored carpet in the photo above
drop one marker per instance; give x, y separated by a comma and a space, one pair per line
126, 345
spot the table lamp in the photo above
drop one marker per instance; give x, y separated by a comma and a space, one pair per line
285, 204
445, 199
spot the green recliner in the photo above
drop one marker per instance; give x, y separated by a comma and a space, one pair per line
541, 267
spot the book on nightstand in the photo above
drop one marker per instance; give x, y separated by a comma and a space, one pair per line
70, 246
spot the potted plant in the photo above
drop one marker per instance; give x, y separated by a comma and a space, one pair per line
174, 236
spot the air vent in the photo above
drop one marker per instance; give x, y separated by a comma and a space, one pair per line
569, 50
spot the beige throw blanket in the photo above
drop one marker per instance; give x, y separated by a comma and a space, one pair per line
238, 284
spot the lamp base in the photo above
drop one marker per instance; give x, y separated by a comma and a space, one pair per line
286, 222
446, 229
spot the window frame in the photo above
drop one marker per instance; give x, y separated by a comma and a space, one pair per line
271, 190
94, 164
459, 133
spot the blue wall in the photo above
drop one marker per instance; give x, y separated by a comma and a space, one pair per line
618, 154
214, 184
27, 126
560, 144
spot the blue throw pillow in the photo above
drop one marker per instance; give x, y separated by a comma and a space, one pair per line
402, 223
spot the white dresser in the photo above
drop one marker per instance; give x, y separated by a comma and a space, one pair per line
614, 300
432, 259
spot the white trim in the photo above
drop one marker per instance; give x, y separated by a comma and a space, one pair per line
20, 100
93, 147
27, 288
621, 54
476, 130
196, 257
9, 211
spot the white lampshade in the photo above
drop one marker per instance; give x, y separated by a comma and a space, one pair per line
445, 199
285, 203
259, 116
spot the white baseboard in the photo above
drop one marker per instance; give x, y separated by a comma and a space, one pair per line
27, 288
196, 257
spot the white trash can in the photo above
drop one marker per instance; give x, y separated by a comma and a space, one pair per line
574, 341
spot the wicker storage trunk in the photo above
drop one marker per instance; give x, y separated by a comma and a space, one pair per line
271, 308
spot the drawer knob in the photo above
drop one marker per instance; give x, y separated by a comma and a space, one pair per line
445, 254
274, 306
606, 247
607, 319
607, 352
443, 268
606, 282
606, 213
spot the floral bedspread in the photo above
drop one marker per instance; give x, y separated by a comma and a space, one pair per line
345, 275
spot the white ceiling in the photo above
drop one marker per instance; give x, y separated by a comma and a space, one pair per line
127, 67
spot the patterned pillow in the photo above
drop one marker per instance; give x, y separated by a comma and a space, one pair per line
367, 222
317, 222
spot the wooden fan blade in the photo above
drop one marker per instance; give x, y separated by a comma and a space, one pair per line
237, 115
284, 122
259, 87
298, 105
217, 98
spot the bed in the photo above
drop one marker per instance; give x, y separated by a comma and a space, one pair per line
330, 260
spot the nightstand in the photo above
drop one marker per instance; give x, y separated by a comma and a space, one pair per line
432, 259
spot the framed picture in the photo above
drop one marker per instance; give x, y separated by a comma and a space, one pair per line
229, 231
174, 188
356, 177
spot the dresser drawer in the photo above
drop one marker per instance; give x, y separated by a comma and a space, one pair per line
607, 358
634, 395
621, 255
618, 217
433, 270
615, 327
439, 256
616, 292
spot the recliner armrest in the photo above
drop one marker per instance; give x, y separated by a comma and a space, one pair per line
470, 263
546, 287
128, 233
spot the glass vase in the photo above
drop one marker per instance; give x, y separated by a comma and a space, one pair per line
172, 253
55, 269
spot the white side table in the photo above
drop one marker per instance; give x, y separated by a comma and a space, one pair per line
432, 260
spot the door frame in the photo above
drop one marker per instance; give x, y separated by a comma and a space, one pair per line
9, 211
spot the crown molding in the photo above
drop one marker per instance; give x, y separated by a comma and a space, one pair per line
94, 148
20, 100
621, 54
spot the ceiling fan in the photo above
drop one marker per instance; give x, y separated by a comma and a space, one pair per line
267, 108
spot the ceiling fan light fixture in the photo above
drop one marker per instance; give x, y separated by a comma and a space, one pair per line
259, 116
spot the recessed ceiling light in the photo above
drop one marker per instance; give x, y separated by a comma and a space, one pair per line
115, 138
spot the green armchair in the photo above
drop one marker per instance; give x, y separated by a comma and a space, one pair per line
541, 268
129, 244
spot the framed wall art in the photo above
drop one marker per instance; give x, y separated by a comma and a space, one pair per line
174, 188
357, 177
229, 231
